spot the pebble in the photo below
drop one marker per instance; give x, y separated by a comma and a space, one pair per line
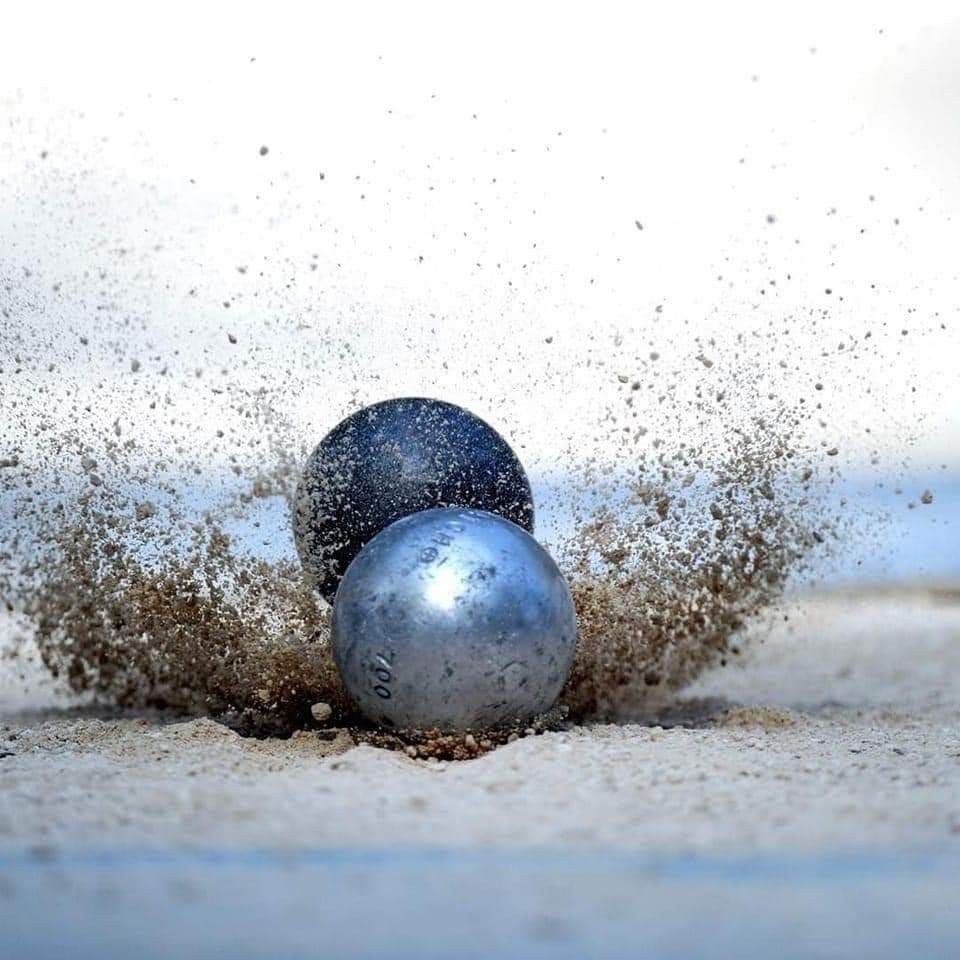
321, 712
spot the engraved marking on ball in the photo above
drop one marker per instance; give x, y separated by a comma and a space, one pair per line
383, 674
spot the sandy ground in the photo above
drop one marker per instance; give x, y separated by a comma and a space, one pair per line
836, 742
841, 730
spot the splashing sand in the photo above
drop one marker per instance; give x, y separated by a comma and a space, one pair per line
145, 487
148, 605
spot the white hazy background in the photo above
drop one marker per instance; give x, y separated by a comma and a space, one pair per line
468, 179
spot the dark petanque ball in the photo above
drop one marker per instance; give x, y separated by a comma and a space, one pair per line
392, 459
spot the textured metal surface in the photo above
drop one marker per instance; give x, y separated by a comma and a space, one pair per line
392, 459
456, 619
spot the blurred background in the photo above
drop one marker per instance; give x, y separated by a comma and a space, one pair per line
517, 206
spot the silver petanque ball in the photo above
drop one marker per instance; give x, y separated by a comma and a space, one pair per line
453, 619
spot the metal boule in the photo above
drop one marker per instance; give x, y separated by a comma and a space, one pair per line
453, 619
392, 459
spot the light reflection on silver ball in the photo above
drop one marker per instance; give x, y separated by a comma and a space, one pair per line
453, 619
